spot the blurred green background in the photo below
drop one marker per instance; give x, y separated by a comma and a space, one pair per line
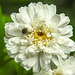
7, 65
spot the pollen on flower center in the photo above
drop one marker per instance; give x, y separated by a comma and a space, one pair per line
57, 72
41, 35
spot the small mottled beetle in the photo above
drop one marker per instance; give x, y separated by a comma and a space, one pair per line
24, 30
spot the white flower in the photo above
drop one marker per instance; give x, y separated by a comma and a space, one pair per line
66, 67
50, 72
38, 36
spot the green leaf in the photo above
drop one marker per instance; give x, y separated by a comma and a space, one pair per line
3, 20
3, 54
21, 71
1, 30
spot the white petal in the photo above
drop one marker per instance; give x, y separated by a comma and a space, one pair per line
21, 56
23, 48
20, 18
55, 60
48, 50
17, 18
55, 19
23, 9
46, 58
65, 41
24, 42
25, 15
64, 20
49, 11
31, 50
26, 67
46, 11
13, 17
13, 49
44, 65
6, 39
17, 59
31, 10
36, 67
13, 29
32, 61
40, 8
14, 41
52, 10
65, 49
66, 31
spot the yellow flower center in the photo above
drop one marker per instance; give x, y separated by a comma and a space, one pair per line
57, 72
39, 35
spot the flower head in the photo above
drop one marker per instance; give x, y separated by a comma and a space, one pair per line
66, 67
44, 73
38, 36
